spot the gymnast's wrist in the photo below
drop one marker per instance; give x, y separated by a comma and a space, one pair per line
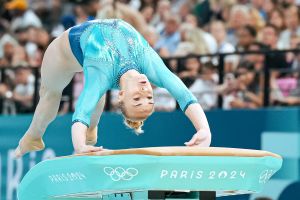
80, 121
78, 148
204, 131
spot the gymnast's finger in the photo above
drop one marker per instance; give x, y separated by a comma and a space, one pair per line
92, 149
95, 149
191, 142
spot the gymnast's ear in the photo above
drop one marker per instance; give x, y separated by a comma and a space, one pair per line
121, 96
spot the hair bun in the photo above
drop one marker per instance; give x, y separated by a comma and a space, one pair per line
135, 125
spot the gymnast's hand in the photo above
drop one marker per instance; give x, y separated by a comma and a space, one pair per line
88, 149
79, 139
201, 139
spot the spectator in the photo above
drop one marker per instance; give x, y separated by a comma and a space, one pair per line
120, 10
204, 87
246, 35
5, 38
285, 90
270, 39
163, 100
37, 43
228, 90
226, 6
296, 62
22, 17
218, 30
151, 36
192, 41
286, 3
78, 16
239, 16
8, 106
134, 4
163, 9
148, 13
192, 20
258, 60
8, 52
43, 39
145, 3
170, 36
190, 72
20, 96
19, 57
23, 90
248, 94
270, 36
203, 12
276, 19
291, 18
209, 40
256, 20
90, 7
258, 5
286, 85
216, 7
268, 6
49, 12
21, 34
294, 44
184, 10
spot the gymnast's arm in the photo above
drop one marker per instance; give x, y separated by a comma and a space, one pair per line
96, 84
160, 75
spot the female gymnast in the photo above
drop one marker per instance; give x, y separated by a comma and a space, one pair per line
112, 54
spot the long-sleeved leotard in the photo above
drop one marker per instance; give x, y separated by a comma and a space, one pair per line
107, 49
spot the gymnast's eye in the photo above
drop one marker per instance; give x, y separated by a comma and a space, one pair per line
136, 99
150, 97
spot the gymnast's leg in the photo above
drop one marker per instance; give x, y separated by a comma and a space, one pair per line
56, 73
91, 135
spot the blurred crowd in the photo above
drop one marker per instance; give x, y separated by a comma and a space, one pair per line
183, 32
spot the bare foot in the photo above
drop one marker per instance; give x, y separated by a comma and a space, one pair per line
91, 136
28, 144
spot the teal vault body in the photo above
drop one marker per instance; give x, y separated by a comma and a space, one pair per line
98, 176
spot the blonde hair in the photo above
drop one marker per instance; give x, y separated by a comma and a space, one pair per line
118, 10
196, 37
256, 19
135, 125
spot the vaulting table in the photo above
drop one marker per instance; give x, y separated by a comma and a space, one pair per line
151, 173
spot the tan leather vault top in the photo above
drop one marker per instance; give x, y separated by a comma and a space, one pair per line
185, 151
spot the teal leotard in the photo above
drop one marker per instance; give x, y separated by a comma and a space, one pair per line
107, 49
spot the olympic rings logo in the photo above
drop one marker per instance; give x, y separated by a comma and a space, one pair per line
120, 173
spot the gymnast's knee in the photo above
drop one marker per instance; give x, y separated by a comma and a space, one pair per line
49, 99
50, 93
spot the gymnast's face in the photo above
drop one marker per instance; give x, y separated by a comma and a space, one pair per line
136, 98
